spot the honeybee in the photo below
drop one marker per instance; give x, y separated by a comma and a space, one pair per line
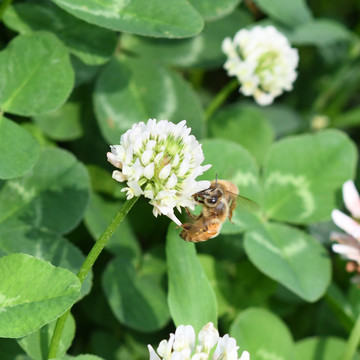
219, 203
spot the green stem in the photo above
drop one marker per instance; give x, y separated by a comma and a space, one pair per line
341, 83
3, 7
86, 267
353, 342
221, 96
337, 82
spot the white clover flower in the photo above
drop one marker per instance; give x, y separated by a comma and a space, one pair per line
182, 346
263, 61
348, 245
161, 161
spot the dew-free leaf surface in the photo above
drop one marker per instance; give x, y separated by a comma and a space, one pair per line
19, 151
263, 334
131, 90
321, 348
92, 44
170, 19
200, 51
302, 173
136, 300
36, 74
51, 197
37, 344
191, 298
29, 295
291, 257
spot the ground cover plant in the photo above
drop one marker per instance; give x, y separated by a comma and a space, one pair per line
114, 114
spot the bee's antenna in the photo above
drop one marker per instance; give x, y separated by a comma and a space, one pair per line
216, 180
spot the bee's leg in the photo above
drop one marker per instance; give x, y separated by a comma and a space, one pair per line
231, 210
186, 226
190, 215
185, 231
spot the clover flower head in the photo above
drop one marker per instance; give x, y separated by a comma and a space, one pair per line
209, 346
348, 245
263, 61
160, 160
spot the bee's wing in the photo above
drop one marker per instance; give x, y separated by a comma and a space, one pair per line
247, 204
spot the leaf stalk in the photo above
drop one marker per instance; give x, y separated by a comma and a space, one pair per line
353, 342
85, 269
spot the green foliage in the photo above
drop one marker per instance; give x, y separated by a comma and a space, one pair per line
298, 185
291, 257
119, 107
74, 76
173, 19
270, 340
246, 125
30, 297
81, 357
191, 298
97, 217
136, 299
92, 44
288, 13
203, 50
57, 184
36, 345
329, 348
62, 124
19, 151
45, 71
214, 9
320, 32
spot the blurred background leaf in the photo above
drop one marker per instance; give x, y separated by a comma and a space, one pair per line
174, 19
301, 175
201, 51
288, 13
45, 71
136, 299
37, 344
271, 339
92, 44
128, 91
19, 151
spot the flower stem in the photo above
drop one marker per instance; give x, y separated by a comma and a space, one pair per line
353, 342
3, 7
220, 98
86, 267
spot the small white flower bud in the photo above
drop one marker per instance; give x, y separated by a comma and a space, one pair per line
113, 160
172, 181
208, 337
175, 160
184, 338
146, 157
158, 158
149, 171
129, 154
118, 176
165, 172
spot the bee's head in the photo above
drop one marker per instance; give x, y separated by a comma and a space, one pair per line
209, 197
